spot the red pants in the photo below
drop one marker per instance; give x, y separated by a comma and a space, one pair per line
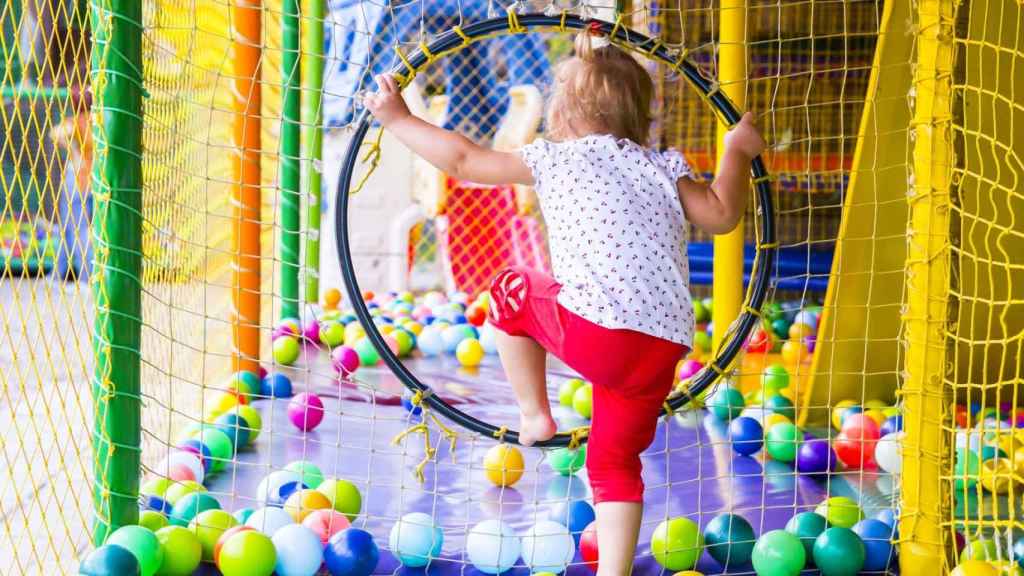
632, 373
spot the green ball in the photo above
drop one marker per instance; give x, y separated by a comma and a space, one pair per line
332, 333
286, 350
840, 511
220, 445
251, 416
730, 539
143, 544
178, 490
368, 355
839, 552
310, 473
152, 520
583, 401
566, 461
567, 389
778, 553
781, 405
156, 486
726, 403
701, 341
701, 313
344, 496
677, 544
807, 526
248, 553
965, 471
245, 382
406, 341
979, 550
182, 551
208, 527
772, 311
782, 441
780, 327
190, 506
109, 560
775, 377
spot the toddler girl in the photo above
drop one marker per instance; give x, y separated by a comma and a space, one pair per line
618, 309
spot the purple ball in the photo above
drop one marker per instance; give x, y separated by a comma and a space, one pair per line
311, 331
345, 359
815, 457
891, 424
306, 411
810, 342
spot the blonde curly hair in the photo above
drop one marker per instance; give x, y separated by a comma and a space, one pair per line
600, 90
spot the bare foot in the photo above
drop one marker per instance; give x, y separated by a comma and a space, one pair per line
536, 428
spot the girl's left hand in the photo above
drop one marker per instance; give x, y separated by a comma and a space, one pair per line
387, 104
745, 138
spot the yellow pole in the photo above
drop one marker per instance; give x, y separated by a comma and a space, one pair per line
247, 40
925, 494
727, 290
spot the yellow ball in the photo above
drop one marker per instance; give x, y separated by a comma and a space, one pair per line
876, 415
483, 300
470, 352
975, 568
996, 475
837, 412
302, 503
504, 465
219, 404
353, 332
331, 298
875, 404
1008, 444
794, 352
890, 411
774, 419
386, 329
178, 490
414, 327
798, 331
1008, 568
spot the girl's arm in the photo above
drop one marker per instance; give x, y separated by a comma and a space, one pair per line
451, 153
718, 208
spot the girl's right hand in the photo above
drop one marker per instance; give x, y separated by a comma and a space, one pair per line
387, 104
745, 138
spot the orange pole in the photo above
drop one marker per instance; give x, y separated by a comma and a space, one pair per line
247, 38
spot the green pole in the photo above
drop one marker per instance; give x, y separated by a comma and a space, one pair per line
314, 12
290, 157
116, 78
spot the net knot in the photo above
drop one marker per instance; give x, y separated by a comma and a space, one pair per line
500, 433
513, 22
577, 435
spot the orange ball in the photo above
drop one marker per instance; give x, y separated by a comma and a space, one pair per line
794, 352
797, 331
332, 298
303, 502
368, 295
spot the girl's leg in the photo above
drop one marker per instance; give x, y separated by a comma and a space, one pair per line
525, 363
618, 528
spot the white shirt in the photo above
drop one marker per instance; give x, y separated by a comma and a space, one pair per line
617, 232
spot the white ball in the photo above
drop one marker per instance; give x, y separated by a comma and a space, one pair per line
299, 551
269, 520
492, 546
969, 440
889, 452
548, 547
269, 489
488, 338
182, 457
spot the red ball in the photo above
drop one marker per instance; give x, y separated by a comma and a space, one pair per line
855, 453
476, 315
759, 342
588, 546
225, 537
862, 427
961, 415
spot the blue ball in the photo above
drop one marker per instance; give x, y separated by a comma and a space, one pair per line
1018, 551
746, 435
730, 540
110, 560
890, 518
575, 515
299, 551
459, 319
891, 424
155, 503
428, 320
347, 319
407, 404
416, 539
372, 306
351, 552
877, 538
287, 489
452, 336
276, 385
235, 427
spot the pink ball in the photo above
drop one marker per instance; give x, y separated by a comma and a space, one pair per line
181, 473
392, 344
345, 359
311, 331
306, 411
689, 368
326, 523
286, 327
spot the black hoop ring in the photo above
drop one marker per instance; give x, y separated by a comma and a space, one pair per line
760, 274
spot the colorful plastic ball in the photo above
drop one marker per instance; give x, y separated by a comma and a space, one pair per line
779, 404
583, 401
345, 360
688, 368
311, 330
889, 453
839, 551
451, 337
807, 526
269, 488
208, 526
306, 411
746, 435
247, 553
354, 331
152, 520
782, 441
286, 350
996, 475
143, 544
855, 454
567, 389
729, 539
343, 495
979, 549
877, 415
773, 419
332, 297
351, 552
286, 327
179, 489
326, 522
368, 355
236, 429
492, 546
190, 459
891, 424
799, 330
780, 327
156, 486
182, 551
795, 352
701, 313
760, 341
190, 506
430, 341
778, 553
840, 511
877, 538
469, 352
276, 385
775, 377
309, 473
244, 383
588, 547
845, 414
415, 539
230, 532
548, 546
575, 515
726, 403
299, 551
303, 502
110, 560
406, 342
965, 469
221, 447
489, 339
503, 465
815, 456
975, 568
252, 417
269, 520
677, 544
837, 412
331, 333
242, 514
566, 461
476, 315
